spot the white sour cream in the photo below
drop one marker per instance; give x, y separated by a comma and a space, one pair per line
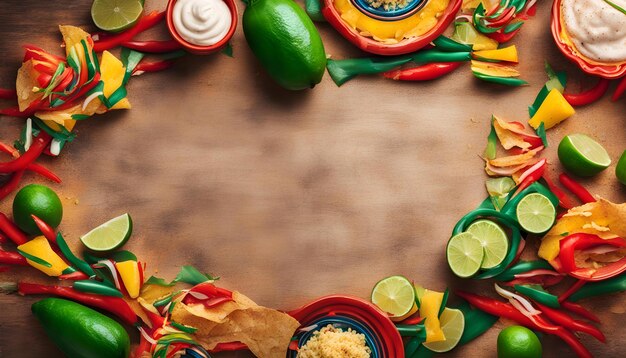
597, 30
201, 22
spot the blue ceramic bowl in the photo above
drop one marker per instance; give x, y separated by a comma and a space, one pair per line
342, 323
380, 13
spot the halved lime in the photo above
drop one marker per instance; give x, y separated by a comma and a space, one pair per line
620, 169
116, 15
395, 295
535, 213
452, 323
465, 254
110, 235
464, 32
494, 241
582, 155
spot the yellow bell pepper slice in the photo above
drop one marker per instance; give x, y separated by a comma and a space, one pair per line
552, 111
131, 277
430, 302
503, 54
494, 69
40, 247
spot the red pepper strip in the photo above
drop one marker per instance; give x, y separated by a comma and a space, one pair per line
33, 167
115, 305
15, 111
503, 19
576, 189
589, 96
564, 201
570, 291
156, 320
413, 320
3, 239
39, 143
619, 90
582, 241
8, 93
563, 319
37, 53
579, 310
74, 276
506, 310
153, 46
543, 280
155, 66
12, 184
142, 347
45, 229
531, 11
12, 258
231, 346
425, 72
501, 37
175, 348
12, 231
74, 98
144, 23
531, 175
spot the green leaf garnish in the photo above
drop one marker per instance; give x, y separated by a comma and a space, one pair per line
153, 280
191, 275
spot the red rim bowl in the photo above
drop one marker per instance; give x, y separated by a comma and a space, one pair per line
376, 47
203, 50
606, 71
358, 309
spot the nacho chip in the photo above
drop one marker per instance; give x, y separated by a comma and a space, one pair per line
509, 135
602, 218
513, 160
25, 85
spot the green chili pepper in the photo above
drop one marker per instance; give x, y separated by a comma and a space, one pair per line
512, 27
507, 81
522, 267
415, 330
34, 259
477, 322
411, 347
444, 301
435, 55
538, 294
591, 289
541, 132
505, 219
313, 8
446, 44
183, 328
492, 143
73, 259
99, 288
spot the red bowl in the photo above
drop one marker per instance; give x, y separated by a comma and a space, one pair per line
606, 71
376, 47
203, 50
359, 310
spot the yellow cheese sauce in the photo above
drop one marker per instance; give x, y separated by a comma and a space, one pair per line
595, 29
391, 32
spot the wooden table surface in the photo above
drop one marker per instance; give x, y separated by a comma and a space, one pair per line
289, 196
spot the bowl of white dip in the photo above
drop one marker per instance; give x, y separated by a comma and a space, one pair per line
202, 26
592, 33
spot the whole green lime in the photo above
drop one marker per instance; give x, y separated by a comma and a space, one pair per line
620, 169
39, 200
285, 41
518, 342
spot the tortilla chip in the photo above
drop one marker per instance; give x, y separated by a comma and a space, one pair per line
507, 136
602, 218
265, 331
72, 36
25, 83
514, 160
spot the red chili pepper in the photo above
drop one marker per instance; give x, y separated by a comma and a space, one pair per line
12, 184
619, 91
39, 143
3, 239
506, 310
43, 171
155, 66
74, 98
142, 347
175, 348
115, 305
531, 175
571, 290
501, 37
45, 229
413, 320
12, 258
503, 19
563, 319
216, 295
579, 310
582, 241
564, 200
12, 231
425, 72
589, 96
74, 276
143, 24
576, 189
153, 46
6, 93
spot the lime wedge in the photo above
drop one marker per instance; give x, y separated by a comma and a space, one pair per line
465, 254
620, 169
395, 295
464, 32
494, 241
110, 235
452, 324
582, 155
116, 15
535, 213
